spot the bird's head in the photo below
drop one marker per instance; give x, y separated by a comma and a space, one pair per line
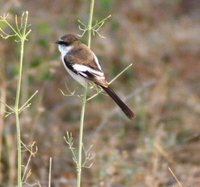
67, 42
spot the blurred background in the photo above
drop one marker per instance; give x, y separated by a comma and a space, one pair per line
162, 40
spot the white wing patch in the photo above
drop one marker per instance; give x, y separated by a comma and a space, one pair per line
82, 68
96, 61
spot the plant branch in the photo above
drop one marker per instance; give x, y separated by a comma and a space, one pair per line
21, 34
84, 100
172, 173
27, 104
117, 76
69, 140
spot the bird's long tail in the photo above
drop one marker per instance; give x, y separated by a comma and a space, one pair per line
127, 111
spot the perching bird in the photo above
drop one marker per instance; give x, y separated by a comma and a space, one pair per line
83, 65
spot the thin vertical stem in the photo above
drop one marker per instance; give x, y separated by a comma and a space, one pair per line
50, 168
19, 158
79, 165
17, 101
90, 22
19, 153
20, 76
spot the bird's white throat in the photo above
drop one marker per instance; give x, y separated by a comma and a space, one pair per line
64, 50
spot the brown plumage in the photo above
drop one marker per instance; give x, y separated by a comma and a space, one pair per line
82, 55
82, 64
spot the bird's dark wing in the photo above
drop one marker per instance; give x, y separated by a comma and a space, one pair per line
84, 56
83, 62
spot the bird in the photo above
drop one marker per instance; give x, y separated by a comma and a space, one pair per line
83, 65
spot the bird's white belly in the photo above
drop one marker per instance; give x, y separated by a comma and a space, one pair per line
78, 78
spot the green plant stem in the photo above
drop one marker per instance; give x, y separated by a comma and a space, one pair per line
79, 167
90, 23
19, 159
19, 153
21, 35
84, 100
